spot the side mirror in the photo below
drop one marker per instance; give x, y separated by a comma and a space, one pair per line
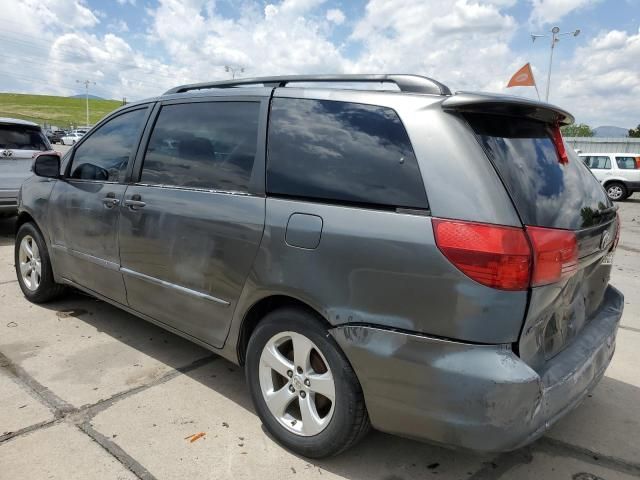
47, 165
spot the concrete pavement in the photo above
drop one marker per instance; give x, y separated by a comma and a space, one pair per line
88, 391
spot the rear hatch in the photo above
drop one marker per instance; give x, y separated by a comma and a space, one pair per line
18, 145
553, 193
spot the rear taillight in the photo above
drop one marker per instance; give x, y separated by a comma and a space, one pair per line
503, 257
493, 255
555, 254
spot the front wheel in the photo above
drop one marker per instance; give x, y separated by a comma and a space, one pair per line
303, 388
33, 266
616, 191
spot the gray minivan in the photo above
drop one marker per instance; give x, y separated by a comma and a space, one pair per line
434, 265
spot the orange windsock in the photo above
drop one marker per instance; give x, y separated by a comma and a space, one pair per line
522, 78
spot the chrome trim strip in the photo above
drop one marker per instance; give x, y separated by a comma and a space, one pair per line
180, 288
90, 258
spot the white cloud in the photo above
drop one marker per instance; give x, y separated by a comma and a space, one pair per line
466, 48
336, 16
548, 11
279, 39
119, 26
601, 85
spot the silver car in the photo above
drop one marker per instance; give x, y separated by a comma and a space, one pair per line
434, 265
20, 140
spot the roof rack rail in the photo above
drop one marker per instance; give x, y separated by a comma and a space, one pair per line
406, 83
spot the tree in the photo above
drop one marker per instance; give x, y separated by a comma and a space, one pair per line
635, 132
577, 130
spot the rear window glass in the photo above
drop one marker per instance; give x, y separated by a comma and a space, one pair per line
342, 152
628, 163
17, 137
545, 192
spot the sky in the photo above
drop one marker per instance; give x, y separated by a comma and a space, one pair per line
135, 49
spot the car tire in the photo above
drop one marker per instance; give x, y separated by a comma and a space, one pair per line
335, 424
61, 142
616, 191
33, 266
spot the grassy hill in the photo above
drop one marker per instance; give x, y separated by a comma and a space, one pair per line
59, 111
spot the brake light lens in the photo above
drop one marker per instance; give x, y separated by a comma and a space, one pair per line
555, 254
493, 255
559, 144
508, 258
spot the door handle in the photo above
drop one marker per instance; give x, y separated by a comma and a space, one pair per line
110, 200
134, 204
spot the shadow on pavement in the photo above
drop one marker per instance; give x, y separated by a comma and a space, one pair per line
7, 230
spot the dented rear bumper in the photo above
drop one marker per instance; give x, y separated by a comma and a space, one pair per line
480, 397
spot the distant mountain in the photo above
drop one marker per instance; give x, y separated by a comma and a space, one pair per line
608, 131
82, 95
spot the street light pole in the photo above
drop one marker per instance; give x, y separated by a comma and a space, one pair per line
86, 86
233, 70
555, 38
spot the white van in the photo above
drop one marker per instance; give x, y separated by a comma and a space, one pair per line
619, 173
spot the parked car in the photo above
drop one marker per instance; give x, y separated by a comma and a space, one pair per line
619, 173
19, 141
435, 265
55, 136
71, 138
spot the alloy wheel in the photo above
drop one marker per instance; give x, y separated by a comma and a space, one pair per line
614, 192
30, 263
297, 384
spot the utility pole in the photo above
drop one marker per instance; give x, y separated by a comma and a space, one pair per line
555, 38
233, 70
86, 86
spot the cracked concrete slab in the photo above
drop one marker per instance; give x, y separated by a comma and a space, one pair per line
19, 407
85, 350
154, 427
609, 421
545, 465
60, 452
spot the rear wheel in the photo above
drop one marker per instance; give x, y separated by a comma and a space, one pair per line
304, 389
616, 191
33, 266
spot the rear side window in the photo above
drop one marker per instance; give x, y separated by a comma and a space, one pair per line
545, 192
104, 155
341, 152
628, 163
206, 145
19, 137
598, 162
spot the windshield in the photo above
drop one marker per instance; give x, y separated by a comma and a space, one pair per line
20, 137
545, 191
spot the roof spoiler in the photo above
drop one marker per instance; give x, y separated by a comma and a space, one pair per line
507, 105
